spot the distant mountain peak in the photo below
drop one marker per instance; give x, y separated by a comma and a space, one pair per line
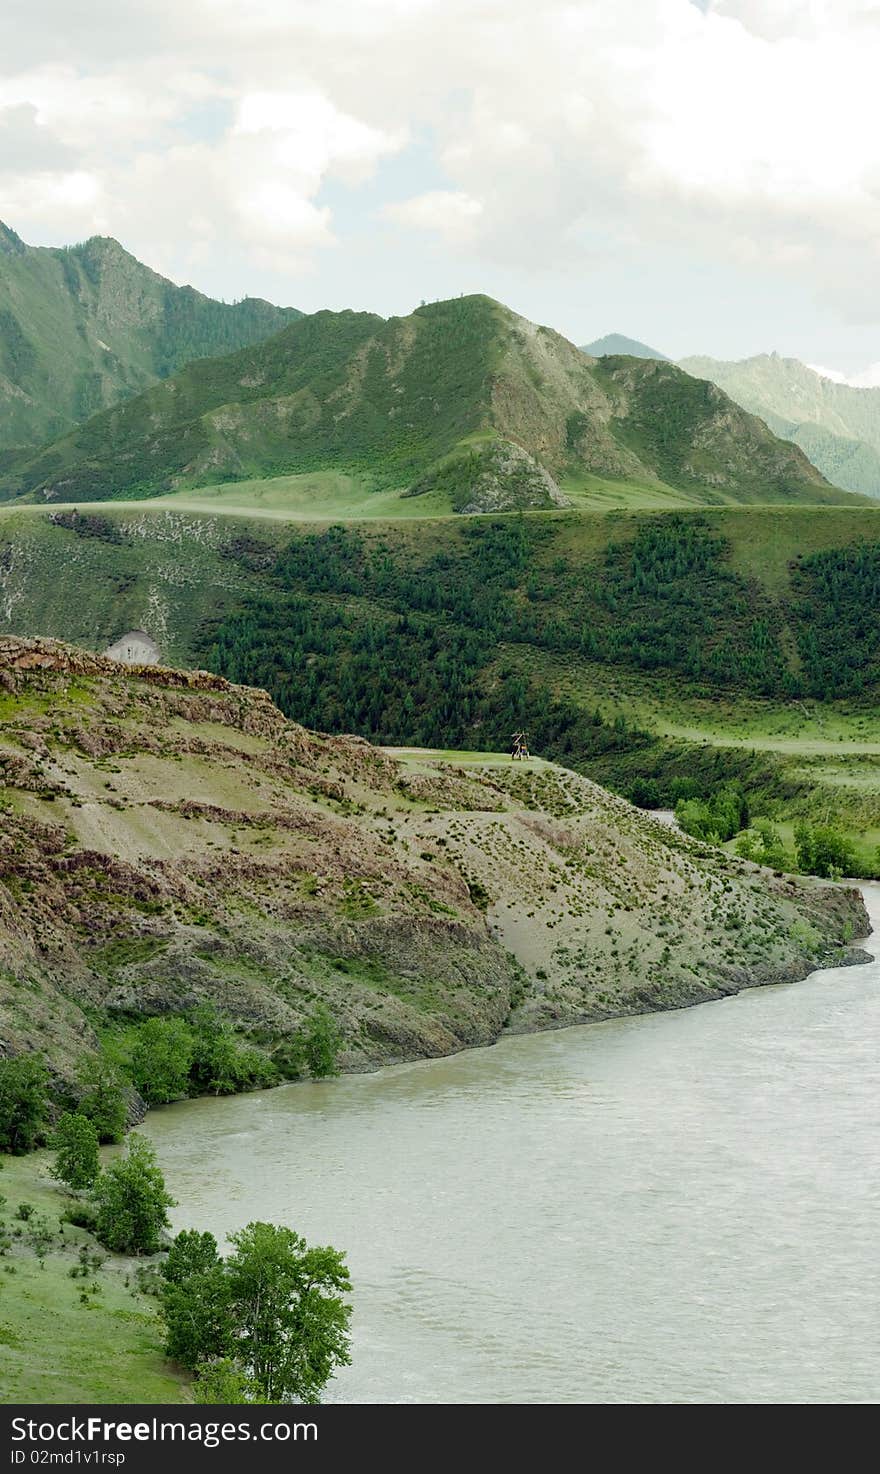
10, 243
85, 326
619, 346
835, 420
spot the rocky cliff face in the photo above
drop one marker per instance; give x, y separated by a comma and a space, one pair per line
167, 838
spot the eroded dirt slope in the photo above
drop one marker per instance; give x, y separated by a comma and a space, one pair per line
166, 837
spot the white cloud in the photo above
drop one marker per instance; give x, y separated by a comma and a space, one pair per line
450, 213
834, 375
869, 378
743, 129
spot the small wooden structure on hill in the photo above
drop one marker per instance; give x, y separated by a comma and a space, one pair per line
520, 752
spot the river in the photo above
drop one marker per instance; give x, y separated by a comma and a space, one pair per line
680, 1207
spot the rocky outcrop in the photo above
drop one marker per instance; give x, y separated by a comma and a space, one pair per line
510, 480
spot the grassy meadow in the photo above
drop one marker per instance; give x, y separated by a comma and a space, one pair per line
69, 1336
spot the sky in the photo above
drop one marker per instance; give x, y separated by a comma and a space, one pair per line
701, 174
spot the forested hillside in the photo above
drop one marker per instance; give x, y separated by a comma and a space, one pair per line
359, 633
686, 649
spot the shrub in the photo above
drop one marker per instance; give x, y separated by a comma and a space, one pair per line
289, 1059
224, 1382
321, 1042
81, 1215
824, 850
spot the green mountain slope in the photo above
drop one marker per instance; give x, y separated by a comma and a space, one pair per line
421, 403
84, 327
837, 426
618, 343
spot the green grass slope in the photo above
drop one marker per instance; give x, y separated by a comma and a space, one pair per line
74, 1326
463, 399
84, 327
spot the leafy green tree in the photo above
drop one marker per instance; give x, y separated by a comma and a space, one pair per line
161, 1059
215, 1065
132, 1201
103, 1097
772, 847
198, 1315
76, 1145
824, 850
191, 1253
24, 1103
288, 1308
717, 818
220, 1065
645, 793
748, 846
762, 844
196, 1301
321, 1042
270, 1323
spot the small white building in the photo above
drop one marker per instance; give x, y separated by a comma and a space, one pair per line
135, 648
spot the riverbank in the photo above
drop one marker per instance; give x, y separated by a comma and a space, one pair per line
671, 1208
170, 840
77, 1335
74, 1325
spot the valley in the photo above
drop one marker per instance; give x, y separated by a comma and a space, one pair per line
359, 554
515, 605
439, 719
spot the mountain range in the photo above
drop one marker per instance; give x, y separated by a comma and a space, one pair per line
86, 326
115, 382
462, 398
836, 425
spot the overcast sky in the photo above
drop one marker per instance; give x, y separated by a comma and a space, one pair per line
705, 176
